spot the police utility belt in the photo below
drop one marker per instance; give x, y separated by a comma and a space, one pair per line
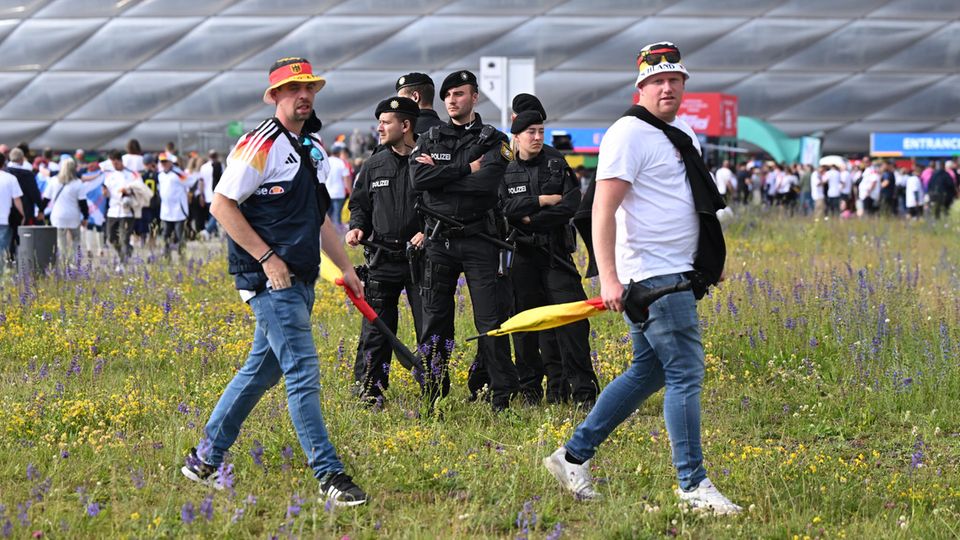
477, 225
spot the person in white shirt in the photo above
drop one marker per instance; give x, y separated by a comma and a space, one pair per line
817, 182
914, 193
133, 159
646, 230
173, 187
726, 181
10, 194
834, 186
210, 173
120, 210
66, 196
869, 188
339, 184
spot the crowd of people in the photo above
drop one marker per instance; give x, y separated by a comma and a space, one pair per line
844, 188
118, 200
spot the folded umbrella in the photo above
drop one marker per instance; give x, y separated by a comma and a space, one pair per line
636, 300
330, 272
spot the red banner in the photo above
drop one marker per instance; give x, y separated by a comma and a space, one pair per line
709, 113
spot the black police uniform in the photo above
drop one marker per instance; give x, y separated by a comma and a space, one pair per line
383, 207
427, 119
449, 188
563, 353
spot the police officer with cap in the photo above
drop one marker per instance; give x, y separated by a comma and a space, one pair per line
459, 167
419, 87
540, 196
382, 209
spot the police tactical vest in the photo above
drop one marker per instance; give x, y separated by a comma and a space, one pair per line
391, 197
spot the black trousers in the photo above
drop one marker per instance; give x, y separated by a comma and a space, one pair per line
173, 237
382, 291
119, 231
490, 296
562, 353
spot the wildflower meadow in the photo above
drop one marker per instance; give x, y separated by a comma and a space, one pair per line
831, 407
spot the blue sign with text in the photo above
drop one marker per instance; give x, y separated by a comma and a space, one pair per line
914, 144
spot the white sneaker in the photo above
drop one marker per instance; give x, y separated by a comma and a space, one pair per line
575, 478
706, 497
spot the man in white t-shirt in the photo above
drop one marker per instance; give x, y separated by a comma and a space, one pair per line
726, 181
10, 194
646, 229
118, 185
173, 187
337, 184
818, 191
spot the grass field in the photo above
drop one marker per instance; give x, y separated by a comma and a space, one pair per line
831, 408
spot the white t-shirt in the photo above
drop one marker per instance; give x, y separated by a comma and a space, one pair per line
725, 176
65, 213
9, 190
335, 185
173, 189
846, 183
264, 156
914, 191
206, 174
816, 188
657, 224
134, 162
869, 182
834, 183
786, 182
115, 181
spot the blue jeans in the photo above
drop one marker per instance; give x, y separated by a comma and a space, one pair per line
666, 351
6, 234
336, 211
282, 345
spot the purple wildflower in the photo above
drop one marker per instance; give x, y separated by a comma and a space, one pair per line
237, 515
225, 476
182, 408
186, 513
32, 473
93, 509
206, 508
257, 453
136, 476
293, 509
556, 533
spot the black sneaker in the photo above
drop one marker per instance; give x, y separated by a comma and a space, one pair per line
339, 489
200, 472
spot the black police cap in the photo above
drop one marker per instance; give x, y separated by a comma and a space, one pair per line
527, 102
413, 79
455, 79
398, 104
524, 120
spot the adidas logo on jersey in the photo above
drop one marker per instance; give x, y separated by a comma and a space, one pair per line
291, 159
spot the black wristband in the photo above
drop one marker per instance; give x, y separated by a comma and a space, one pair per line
265, 256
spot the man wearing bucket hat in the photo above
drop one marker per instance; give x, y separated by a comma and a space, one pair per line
382, 210
271, 202
651, 218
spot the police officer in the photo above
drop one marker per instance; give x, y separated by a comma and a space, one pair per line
540, 196
419, 87
459, 167
382, 209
